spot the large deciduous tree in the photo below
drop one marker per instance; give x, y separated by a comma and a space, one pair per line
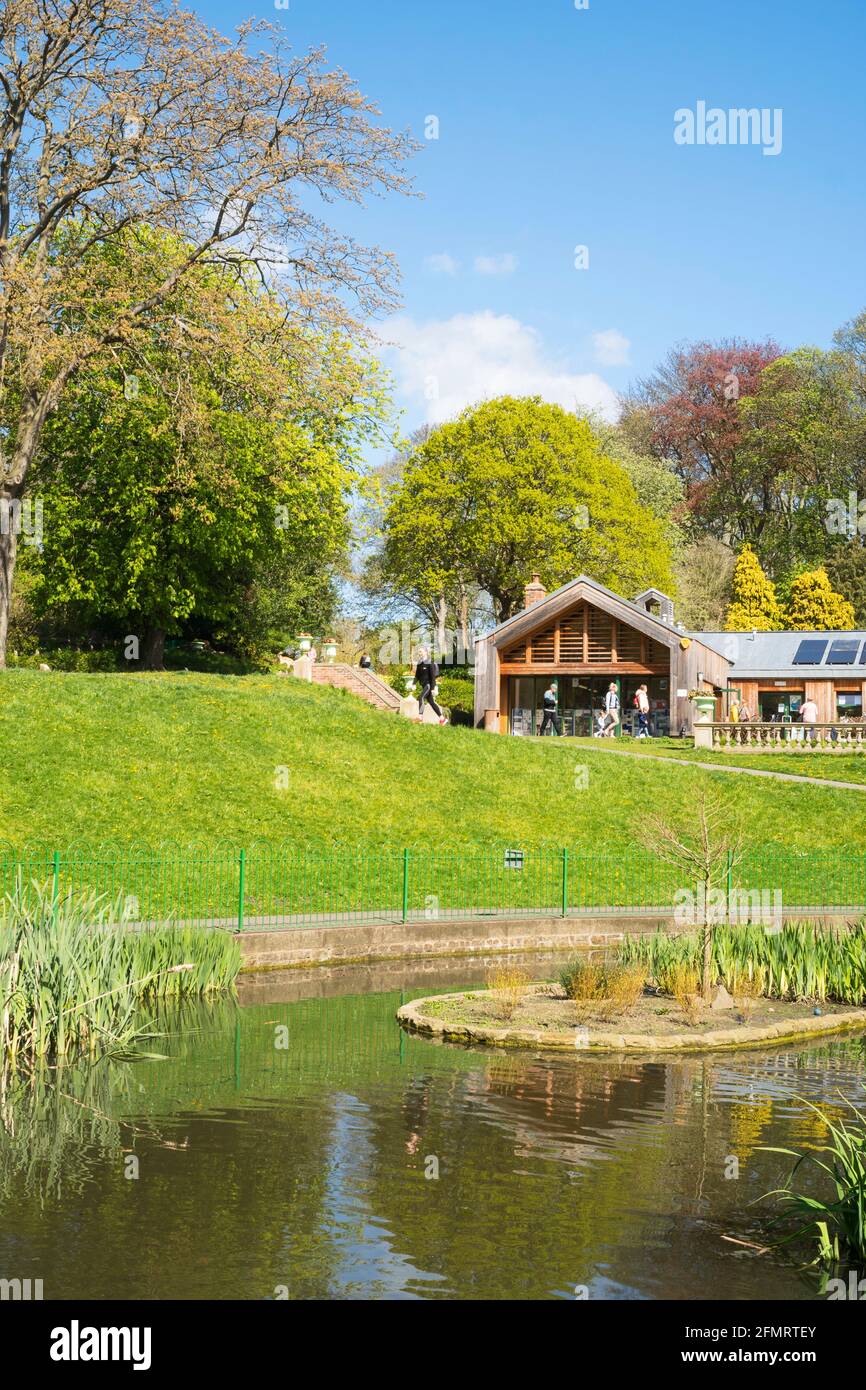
687, 413
123, 115
199, 492
512, 487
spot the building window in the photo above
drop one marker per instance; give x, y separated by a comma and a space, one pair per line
849, 704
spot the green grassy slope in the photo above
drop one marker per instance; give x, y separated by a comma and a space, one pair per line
194, 757
842, 767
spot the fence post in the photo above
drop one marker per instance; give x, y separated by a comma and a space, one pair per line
405, 885
565, 883
242, 876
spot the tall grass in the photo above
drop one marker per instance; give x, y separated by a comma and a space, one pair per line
73, 975
837, 1223
803, 960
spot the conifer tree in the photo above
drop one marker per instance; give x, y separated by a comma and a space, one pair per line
754, 605
814, 605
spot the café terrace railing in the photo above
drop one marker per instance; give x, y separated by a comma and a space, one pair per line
788, 738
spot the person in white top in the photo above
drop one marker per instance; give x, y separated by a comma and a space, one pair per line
809, 715
643, 712
611, 709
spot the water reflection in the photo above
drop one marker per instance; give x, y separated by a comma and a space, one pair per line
292, 1141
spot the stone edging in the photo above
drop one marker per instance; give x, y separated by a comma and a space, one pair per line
412, 1017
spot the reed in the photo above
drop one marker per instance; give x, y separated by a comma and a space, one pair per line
835, 1223
74, 976
802, 960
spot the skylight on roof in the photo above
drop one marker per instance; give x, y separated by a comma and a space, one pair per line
809, 653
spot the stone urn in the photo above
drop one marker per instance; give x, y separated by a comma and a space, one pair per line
305, 642
704, 707
330, 650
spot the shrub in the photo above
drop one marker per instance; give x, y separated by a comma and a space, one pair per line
582, 979
682, 981
617, 988
507, 984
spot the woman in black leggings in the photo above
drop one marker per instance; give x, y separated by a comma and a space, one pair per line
426, 674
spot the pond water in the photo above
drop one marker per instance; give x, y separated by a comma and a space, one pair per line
290, 1144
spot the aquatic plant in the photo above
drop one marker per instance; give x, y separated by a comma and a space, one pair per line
74, 975
837, 1224
801, 960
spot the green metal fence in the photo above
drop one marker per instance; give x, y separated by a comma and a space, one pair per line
285, 885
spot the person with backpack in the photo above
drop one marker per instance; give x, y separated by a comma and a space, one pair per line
427, 674
549, 702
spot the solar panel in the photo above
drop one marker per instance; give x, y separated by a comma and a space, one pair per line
843, 653
809, 653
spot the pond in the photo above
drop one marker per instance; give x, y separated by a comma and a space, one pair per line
300, 1144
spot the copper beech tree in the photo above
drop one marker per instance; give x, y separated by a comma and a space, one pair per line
121, 118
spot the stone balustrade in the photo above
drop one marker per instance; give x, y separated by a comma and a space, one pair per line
756, 737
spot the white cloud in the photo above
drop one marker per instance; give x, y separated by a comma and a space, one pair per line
496, 265
611, 348
442, 264
443, 365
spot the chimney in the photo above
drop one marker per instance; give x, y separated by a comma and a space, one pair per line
534, 592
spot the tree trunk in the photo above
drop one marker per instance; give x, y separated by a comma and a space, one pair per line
441, 631
8, 552
706, 976
464, 627
153, 649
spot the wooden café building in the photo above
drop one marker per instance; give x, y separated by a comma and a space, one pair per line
586, 636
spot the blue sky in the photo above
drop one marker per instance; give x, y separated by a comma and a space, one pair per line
556, 129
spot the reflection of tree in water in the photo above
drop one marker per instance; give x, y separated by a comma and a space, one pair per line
306, 1166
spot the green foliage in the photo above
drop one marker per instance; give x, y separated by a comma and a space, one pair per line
836, 1224
802, 961
704, 571
204, 493
73, 974
846, 570
513, 487
814, 606
457, 693
799, 440
753, 597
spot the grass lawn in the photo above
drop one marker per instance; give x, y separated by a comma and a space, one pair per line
842, 767
195, 758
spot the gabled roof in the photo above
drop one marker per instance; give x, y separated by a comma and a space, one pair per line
772, 653
564, 598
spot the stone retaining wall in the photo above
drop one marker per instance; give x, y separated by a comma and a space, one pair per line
304, 946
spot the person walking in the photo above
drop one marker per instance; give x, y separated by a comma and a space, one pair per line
427, 674
643, 706
611, 709
549, 701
